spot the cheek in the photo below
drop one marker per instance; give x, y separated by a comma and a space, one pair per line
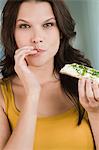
55, 42
53, 48
21, 41
17, 39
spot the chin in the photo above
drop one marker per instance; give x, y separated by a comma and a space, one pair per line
37, 63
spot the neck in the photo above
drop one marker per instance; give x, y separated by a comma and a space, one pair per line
43, 73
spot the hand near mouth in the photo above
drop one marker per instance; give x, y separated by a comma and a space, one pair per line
23, 71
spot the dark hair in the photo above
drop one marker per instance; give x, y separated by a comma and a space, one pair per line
66, 53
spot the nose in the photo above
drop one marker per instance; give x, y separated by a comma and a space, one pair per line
36, 41
36, 37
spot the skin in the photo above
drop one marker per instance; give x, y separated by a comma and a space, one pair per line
35, 76
89, 99
35, 33
38, 33
89, 95
35, 72
34, 85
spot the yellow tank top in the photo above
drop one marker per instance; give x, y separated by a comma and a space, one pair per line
58, 132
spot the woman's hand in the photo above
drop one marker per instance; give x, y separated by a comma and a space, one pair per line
89, 95
27, 77
89, 98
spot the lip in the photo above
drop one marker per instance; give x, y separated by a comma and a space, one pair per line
39, 50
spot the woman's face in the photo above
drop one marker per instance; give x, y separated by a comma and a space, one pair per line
36, 26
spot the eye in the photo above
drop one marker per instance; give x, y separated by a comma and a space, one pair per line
24, 26
47, 25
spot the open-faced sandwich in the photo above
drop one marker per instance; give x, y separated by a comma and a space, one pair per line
79, 71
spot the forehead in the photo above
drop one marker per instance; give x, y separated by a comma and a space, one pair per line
35, 10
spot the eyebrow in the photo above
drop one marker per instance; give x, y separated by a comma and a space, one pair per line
44, 21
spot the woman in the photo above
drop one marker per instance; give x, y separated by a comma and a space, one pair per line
40, 108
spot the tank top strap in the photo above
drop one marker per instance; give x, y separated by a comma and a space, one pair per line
7, 93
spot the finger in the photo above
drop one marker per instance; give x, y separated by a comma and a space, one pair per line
21, 61
89, 91
29, 53
81, 90
23, 48
96, 90
25, 53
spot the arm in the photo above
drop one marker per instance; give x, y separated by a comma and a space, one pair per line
94, 122
24, 134
89, 99
4, 129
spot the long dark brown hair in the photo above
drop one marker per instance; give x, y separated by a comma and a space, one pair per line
66, 53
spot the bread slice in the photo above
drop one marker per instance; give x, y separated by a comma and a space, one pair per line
79, 71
